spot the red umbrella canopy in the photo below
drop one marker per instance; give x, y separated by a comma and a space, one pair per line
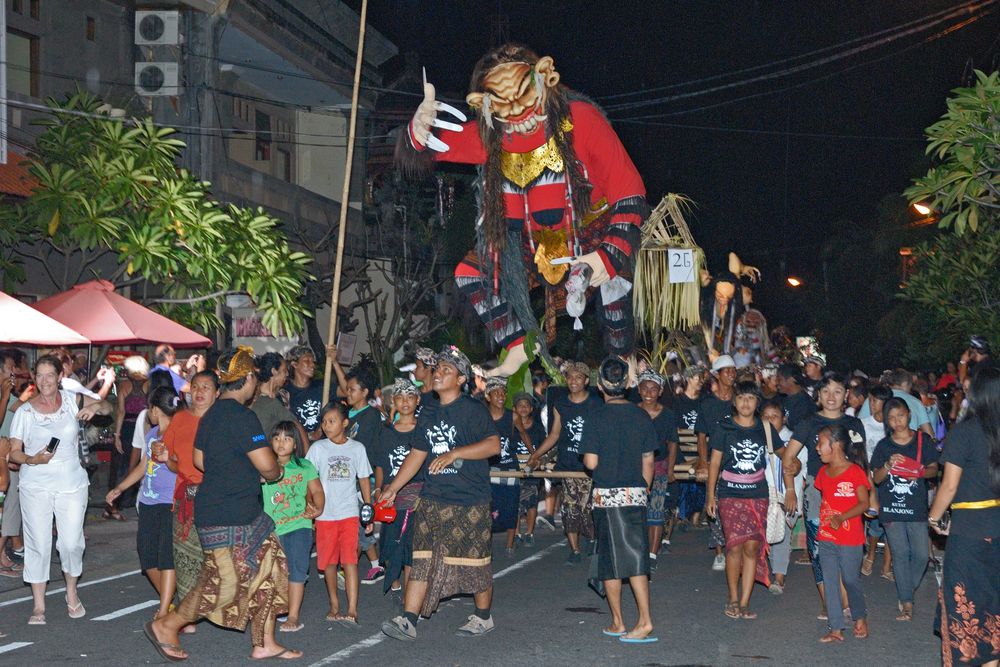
107, 318
22, 324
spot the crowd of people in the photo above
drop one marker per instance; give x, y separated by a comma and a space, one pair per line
239, 471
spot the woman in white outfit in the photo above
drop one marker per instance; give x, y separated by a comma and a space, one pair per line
52, 484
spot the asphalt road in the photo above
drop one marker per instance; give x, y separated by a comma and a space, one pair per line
544, 613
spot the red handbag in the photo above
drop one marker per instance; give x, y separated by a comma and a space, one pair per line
385, 513
910, 468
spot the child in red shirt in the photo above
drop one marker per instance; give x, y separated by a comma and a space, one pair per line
844, 485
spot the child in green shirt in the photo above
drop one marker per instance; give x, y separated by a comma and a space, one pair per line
293, 502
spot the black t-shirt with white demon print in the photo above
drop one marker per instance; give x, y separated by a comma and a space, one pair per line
903, 498
392, 449
744, 458
464, 421
507, 458
687, 410
573, 416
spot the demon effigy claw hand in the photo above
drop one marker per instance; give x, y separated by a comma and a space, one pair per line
426, 117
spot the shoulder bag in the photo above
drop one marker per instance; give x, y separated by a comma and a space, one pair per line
775, 529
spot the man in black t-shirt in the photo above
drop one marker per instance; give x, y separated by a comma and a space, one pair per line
305, 393
795, 402
452, 537
812, 368
569, 415
242, 552
619, 445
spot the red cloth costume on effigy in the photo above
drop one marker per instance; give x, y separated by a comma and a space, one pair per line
553, 155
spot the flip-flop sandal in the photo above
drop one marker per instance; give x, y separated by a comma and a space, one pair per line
36, 619
349, 622
294, 628
860, 635
161, 647
747, 615
76, 611
867, 566
611, 633
830, 638
14, 570
333, 618
888, 576
637, 640
732, 610
278, 656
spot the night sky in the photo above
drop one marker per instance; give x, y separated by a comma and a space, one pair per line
765, 184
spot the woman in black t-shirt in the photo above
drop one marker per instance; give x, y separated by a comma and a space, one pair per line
531, 433
970, 623
393, 445
902, 495
738, 463
506, 491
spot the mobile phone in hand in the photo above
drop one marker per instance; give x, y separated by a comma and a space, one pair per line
53, 444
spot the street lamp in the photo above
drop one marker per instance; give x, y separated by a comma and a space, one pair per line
794, 282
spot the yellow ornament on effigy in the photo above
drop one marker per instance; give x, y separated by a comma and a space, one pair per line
523, 168
551, 246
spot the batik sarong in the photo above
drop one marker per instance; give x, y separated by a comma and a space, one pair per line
244, 579
745, 520
451, 550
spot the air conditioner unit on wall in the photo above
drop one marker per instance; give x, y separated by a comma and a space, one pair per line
156, 28
156, 79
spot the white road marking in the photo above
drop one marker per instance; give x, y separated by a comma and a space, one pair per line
530, 559
62, 589
346, 653
127, 610
379, 637
13, 646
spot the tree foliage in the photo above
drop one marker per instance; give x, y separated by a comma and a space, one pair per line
955, 282
964, 184
958, 285
111, 203
407, 247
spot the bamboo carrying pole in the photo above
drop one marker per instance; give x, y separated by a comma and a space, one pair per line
345, 194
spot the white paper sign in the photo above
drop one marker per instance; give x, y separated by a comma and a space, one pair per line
681, 265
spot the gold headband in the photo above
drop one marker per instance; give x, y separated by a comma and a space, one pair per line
240, 365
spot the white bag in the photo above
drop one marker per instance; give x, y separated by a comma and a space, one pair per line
775, 530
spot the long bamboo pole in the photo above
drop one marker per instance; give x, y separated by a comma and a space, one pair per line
345, 194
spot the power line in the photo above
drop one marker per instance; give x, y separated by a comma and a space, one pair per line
805, 66
783, 133
193, 130
780, 61
228, 93
906, 49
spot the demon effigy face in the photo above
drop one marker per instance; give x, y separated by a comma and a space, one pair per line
514, 94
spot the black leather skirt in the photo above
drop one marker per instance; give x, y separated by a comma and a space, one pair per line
622, 542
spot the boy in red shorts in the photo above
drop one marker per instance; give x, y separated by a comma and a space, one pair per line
343, 469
